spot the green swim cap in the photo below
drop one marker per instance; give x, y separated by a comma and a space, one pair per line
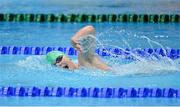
51, 56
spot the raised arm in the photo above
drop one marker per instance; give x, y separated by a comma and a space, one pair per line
87, 59
82, 32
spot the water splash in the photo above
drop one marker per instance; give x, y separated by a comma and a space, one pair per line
39, 64
120, 65
142, 65
35, 63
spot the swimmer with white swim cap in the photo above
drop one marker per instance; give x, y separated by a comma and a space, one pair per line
84, 42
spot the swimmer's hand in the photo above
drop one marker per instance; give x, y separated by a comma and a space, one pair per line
87, 30
75, 44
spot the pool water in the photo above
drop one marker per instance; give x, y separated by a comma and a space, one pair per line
32, 70
95, 7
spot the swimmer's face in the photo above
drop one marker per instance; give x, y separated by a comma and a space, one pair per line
65, 62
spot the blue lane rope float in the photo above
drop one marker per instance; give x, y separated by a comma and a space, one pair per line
90, 92
24, 50
152, 18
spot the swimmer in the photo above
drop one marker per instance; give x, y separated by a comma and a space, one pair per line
84, 42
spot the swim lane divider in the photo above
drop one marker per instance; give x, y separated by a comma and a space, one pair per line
153, 18
90, 92
25, 50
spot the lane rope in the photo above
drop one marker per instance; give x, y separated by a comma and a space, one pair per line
95, 92
147, 52
151, 18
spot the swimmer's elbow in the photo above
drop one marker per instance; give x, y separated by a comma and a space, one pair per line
89, 28
83, 32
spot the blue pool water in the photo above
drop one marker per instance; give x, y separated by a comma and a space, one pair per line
89, 7
25, 70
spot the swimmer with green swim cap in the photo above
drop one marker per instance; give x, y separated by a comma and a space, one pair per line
59, 59
86, 57
53, 55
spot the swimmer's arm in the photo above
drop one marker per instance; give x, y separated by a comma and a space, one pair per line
100, 64
91, 58
82, 32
